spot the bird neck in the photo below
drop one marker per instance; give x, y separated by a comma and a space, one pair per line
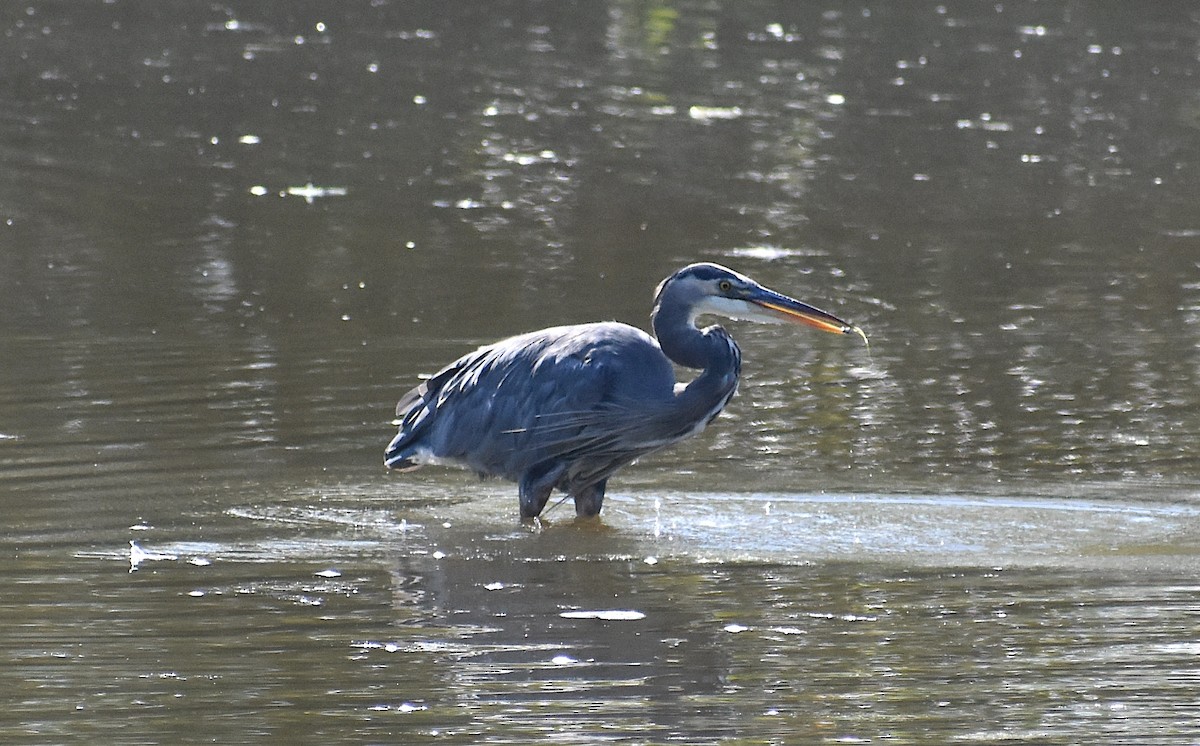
678, 336
710, 349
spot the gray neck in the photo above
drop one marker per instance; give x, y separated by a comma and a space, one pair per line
712, 350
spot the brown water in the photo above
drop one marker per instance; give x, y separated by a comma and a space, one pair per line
232, 234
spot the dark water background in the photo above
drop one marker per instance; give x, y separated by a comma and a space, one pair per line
231, 234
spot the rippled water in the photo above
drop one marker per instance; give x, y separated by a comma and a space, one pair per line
231, 235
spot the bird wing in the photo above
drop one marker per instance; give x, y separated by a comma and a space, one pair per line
417, 410
562, 393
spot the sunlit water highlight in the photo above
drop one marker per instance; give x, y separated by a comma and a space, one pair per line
670, 610
945, 531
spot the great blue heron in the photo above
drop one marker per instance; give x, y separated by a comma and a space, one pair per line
566, 407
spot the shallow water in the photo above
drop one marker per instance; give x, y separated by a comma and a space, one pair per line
231, 235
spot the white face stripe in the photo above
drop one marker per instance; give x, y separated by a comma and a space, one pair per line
732, 308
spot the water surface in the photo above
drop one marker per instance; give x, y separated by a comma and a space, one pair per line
232, 235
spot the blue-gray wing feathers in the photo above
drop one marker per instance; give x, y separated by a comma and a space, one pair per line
585, 394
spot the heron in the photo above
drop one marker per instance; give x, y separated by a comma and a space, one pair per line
566, 407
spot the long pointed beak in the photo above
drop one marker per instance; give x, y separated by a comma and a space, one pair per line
791, 310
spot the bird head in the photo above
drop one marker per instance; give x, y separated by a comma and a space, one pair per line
710, 289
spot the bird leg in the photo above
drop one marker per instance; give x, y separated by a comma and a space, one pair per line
589, 499
535, 487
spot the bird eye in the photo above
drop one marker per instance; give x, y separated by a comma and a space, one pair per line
725, 286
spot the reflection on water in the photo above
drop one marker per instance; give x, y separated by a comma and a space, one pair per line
453, 625
231, 235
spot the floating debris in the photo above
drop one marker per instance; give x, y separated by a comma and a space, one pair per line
789, 630
608, 615
403, 707
387, 647
709, 113
311, 192
985, 123
137, 556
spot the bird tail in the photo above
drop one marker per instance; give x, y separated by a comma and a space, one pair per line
401, 452
412, 415
400, 462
